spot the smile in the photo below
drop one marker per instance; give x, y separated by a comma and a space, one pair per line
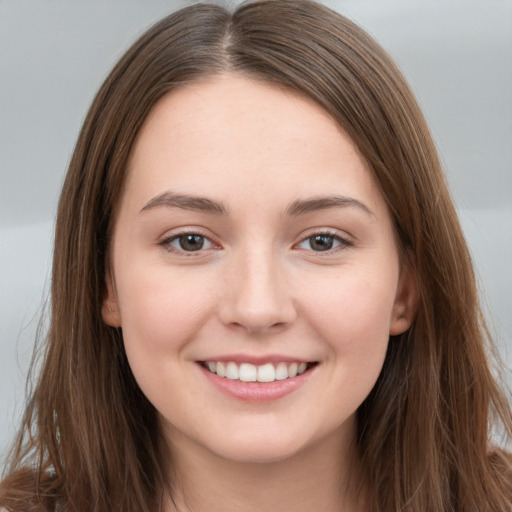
247, 372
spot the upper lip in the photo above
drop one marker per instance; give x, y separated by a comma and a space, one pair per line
257, 360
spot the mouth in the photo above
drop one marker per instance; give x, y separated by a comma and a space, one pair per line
265, 373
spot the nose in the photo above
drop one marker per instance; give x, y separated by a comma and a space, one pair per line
257, 296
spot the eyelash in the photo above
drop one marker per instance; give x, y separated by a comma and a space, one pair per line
342, 243
182, 252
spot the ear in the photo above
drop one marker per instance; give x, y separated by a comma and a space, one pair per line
110, 310
406, 300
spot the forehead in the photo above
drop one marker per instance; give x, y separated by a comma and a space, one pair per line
230, 135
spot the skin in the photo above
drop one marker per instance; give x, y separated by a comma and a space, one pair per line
259, 288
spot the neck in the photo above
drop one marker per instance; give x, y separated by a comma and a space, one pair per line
322, 477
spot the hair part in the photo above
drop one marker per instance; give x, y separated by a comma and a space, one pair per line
424, 431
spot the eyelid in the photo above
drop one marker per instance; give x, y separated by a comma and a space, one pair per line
345, 241
165, 241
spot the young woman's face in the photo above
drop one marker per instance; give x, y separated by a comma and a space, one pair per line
252, 243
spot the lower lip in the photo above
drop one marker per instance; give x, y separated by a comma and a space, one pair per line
257, 391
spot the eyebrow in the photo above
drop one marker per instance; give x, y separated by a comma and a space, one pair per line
303, 206
186, 202
296, 208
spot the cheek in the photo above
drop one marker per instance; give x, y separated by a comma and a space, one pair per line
161, 311
350, 321
352, 315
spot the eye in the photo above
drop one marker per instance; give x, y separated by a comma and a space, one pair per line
188, 242
323, 242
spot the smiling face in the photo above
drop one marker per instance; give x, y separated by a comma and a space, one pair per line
254, 272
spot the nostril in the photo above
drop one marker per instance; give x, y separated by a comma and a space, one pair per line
268, 314
257, 296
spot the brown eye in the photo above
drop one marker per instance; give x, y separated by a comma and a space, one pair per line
189, 242
323, 242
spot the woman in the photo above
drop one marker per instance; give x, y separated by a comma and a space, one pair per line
261, 295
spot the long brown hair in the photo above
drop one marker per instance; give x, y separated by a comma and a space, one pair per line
90, 440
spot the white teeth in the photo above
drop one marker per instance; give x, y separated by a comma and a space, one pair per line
292, 370
266, 373
281, 371
247, 372
232, 371
221, 370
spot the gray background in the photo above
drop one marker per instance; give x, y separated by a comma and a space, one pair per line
457, 55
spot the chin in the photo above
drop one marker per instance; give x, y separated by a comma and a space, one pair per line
269, 454
260, 445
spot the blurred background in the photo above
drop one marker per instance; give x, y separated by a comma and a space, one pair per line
456, 54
